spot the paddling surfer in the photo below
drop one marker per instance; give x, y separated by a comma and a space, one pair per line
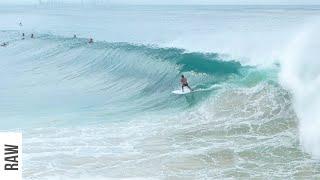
184, 83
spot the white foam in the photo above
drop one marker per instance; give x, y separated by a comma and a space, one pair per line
300, 73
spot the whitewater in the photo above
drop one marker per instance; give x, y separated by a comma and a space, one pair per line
105, 110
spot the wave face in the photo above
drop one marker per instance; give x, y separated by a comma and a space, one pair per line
105, 81
106, 110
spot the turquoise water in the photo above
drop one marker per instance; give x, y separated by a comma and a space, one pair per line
105, 110
115, 81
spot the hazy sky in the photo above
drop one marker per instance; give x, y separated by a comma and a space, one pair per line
180, 1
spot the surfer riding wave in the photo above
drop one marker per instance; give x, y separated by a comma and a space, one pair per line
184, 83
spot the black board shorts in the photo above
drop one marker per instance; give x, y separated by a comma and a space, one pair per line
183, 85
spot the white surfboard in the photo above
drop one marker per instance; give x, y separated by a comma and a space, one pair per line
185, 91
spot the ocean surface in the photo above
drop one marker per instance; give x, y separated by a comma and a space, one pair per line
105, 110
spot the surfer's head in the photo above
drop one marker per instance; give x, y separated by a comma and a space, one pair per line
182, 76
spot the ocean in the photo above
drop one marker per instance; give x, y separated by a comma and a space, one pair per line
105, 110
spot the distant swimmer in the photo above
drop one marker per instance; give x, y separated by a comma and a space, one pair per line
23, 36
90, 40
20, 24
32, 36
184, 83
4, 44
74, 36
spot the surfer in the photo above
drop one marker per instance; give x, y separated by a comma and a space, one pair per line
4, 44
23, 35
32, 36
90, 41
184, 83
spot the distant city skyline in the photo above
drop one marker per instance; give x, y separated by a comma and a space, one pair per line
182, 2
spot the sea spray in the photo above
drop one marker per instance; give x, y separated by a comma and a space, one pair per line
300, 73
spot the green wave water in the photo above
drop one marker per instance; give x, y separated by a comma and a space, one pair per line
114, 81
106, 110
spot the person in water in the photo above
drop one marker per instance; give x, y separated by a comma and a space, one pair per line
23, 35
90, 40
4, 44
184, 83
32, 36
